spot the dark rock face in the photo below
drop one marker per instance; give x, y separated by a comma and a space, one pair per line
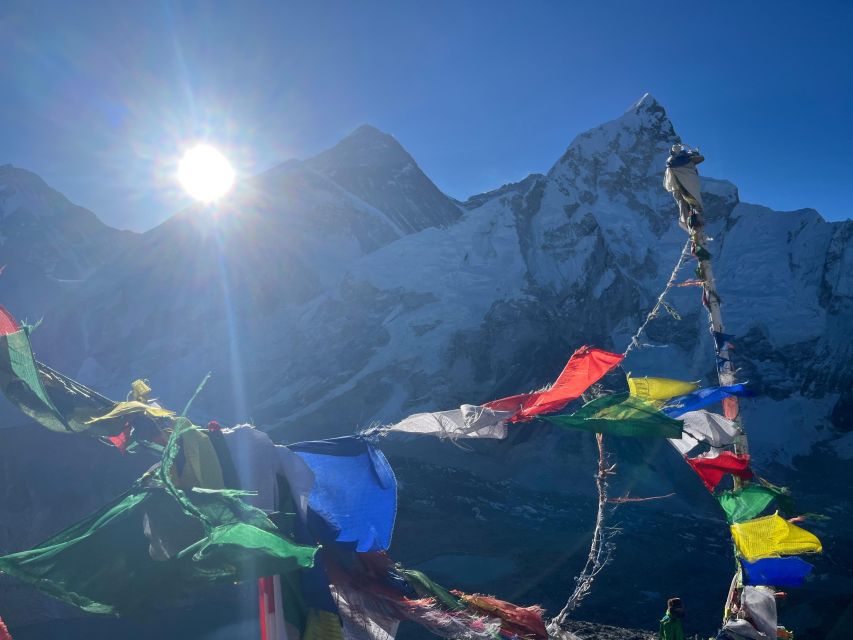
346, 290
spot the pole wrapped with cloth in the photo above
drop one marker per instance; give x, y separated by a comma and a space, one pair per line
681, 179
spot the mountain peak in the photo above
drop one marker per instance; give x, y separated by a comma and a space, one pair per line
639, 140
373, 166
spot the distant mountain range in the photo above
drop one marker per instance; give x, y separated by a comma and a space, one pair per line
344, 290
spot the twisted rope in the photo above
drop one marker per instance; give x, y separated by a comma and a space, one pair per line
635, 339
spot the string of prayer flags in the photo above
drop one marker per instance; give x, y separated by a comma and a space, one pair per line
712, 468
659, 388
746, 502
772, 536
702, 398
620, 414
586, 367
790, 571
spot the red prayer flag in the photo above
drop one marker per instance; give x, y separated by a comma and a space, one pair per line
586, 367
712, 470
8, 324
730, 407
525, 622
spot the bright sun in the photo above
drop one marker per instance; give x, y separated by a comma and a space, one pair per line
205, 173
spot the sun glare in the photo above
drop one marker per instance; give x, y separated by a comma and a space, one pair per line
205, 173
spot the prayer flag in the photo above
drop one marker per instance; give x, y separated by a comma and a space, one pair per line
712, 468
586, 367
776, 572
745, 503
354, 492
772, 536
659, 388
622, 415
702, 398
760, 606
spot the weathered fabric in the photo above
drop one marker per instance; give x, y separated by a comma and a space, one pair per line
524, 622
772, 536
743, 629
710, 428
468, 421
702, 398
684, 181
361, 620
745, 503
129, 407
703, 426
776, 572
760, 605
102, 564
659, 388
712, 468
620, 414
354, 492
21, 384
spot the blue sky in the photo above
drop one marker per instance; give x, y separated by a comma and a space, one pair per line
99, 98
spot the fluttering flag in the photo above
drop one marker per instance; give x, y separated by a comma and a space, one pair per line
712, 468
524, 622
760, 606
659, 388
776, 572
354, 492
746, 502
19, 376
702, 398
772, 536
586, 366
710, 428
468, 421
123, 409
620, 414
105, 563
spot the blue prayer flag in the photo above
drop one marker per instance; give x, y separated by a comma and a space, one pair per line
354, 492
702, 398
776, 572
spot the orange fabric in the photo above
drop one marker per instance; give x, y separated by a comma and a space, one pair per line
586, 367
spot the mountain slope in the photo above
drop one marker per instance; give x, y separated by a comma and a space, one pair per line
344, 290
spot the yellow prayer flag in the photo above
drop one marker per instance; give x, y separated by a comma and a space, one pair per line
133, 406
772, 536
659, 388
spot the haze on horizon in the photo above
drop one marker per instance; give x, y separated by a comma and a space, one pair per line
100, 100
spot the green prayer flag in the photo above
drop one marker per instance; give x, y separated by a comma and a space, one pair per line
20, 382
426, 588
105, 563
745, 503
620, 414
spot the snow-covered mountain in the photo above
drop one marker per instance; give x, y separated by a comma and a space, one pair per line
47, 244
346, 289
